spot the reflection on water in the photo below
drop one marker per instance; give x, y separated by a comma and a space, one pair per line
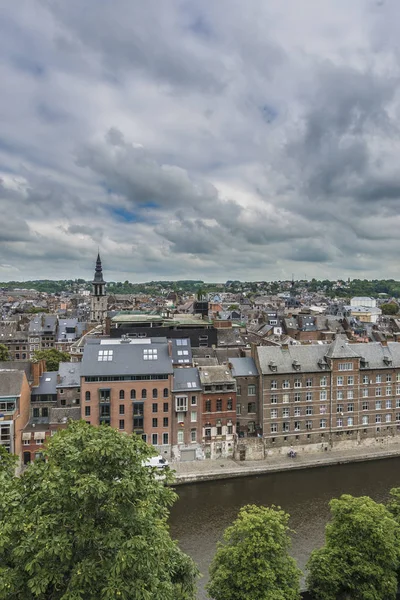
205, 509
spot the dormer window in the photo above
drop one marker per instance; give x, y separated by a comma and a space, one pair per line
272, 365
387, 360
296, 365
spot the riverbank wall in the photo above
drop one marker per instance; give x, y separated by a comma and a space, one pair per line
209, 470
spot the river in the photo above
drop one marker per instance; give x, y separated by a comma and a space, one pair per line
204, 510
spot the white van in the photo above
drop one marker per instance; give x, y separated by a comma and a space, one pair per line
156, 461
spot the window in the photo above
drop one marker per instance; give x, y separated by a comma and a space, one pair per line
274, 399
219, 430
64, 402
378, 379
297, 397
350, 407
339, 380
154, 407
36, 413
181, 418
133, 394
87, 396
388, 404
155, 393
297, 411
121, 424
144, 394
180, 436
322, 409
285, 398
397, 390
322, 395
165, 439
365, 379
398, 376
285, 412
87, 411
309, 382
122, 409
274, 384
297, 425
238, 390
165, 422
154, 422
378, 405
397, 416
285, 384
388, 378
154, 439
105, 355
251, 407
274, 427
308, 425
339, 422
193, 416
339, 408
45, 412
388, 418
193, 400
365, 393
165, 393
274, 413
322, 424
193, 435
251, 390
378, 391
309, 410
350, 422
350, 394
323, 381
365, 420
297, 383
388, 390
229, 404
230, 429
181, 404
219, 405
165, 407
350, 380
309, 396
365, 406
238, 409
207, 406
121, 395
285, 427
339, 395
348, 366
378, 418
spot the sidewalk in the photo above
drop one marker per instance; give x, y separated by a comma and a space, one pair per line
207, 470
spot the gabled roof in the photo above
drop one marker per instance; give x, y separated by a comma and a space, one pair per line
339, 348
220, 374
10, 382
69, 374
47, 384
243, 367
186, 380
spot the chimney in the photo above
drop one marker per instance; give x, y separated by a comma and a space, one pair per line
384, 343
169, 347
36, 373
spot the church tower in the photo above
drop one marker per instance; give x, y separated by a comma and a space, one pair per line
98, 298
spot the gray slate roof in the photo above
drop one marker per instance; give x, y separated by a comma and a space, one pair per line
10, 382
307, 357
243, 367
69, 374
339, 348
127, 358
220, 374
47, 384
185, 376
181, 351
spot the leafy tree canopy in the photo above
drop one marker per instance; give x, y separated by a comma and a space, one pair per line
4, 353
253, 560
90, 523
52, 357
361, 555
390, 308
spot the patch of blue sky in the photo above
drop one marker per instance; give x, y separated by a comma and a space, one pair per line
269, 113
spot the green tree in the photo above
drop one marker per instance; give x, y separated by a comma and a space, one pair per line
52, 357
4, 353
360, 557
253, 560
90, 523
390, 308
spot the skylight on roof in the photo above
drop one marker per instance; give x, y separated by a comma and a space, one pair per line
150, 354
48, 379
105, 355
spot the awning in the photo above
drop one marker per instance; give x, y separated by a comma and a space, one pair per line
27, 436
39, 435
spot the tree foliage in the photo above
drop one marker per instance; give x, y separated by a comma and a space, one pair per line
52, 357
4, 353
90, 523
360, 557
390, 308
253, 561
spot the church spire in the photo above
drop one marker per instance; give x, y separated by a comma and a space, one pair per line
98, 273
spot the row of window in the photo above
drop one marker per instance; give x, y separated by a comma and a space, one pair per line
251, 390
340, 422
251, 408
340, 408
207, 431
340, 380
340, 395
208, 405
105, 395
181, 436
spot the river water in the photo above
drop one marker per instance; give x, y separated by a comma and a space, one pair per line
204, 510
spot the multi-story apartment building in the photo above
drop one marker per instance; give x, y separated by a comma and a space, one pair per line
42, 333
186, 414
323, 394
126, 383
245, 373
218, 410
14, 407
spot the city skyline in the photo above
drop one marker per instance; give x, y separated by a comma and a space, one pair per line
199, 140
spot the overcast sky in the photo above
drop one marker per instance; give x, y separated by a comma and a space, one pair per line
210, 139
